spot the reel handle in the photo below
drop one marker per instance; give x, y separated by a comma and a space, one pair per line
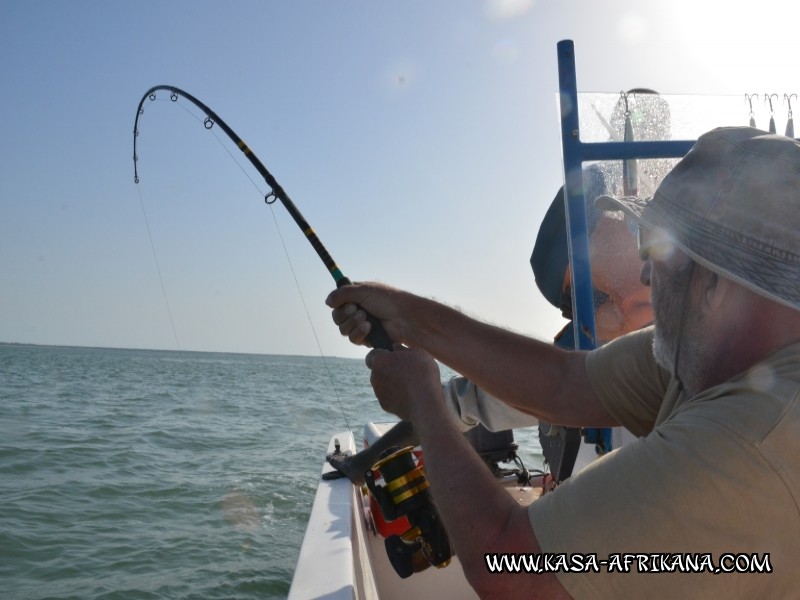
377, 337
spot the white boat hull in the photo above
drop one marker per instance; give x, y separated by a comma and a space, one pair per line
341, 557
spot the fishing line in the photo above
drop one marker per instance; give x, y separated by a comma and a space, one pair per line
158, 269
311, 323
291, 269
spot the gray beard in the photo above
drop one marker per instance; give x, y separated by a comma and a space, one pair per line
664, 351
668, 305
677, 330
693, 347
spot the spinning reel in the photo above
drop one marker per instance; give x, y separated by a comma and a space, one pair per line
400, 488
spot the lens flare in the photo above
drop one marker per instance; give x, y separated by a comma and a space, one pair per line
507, 9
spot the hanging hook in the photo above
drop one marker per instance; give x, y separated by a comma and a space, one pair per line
749, 99
768, 98
623, 97
788, 98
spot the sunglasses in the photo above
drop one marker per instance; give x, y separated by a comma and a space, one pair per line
599, 298
654, 244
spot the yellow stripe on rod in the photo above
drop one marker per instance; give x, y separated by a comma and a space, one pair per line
309, 232
243, 147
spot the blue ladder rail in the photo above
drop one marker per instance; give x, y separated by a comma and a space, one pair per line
575, 153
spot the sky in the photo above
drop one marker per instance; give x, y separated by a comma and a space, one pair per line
419, 139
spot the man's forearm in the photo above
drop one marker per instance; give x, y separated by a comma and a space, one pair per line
479, 515
532, 376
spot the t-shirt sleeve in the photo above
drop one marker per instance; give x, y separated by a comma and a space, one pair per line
628, 381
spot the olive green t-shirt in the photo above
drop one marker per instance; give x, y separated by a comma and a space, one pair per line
714, 475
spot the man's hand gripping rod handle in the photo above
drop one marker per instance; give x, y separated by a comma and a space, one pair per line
377, 334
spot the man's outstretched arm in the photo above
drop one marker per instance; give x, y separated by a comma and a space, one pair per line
530, 375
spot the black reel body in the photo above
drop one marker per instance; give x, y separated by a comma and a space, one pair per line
400, 488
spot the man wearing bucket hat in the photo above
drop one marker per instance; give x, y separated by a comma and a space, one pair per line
705, 503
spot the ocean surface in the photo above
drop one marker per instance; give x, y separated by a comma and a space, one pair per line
159, 474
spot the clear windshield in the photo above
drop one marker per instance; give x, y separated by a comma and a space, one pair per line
621, 301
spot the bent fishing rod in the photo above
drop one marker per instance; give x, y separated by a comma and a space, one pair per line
377, 336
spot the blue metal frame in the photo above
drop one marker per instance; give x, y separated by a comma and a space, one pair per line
575, 153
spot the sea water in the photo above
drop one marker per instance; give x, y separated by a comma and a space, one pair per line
158, 474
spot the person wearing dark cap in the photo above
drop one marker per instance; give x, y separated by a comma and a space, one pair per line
622, 303
705, 503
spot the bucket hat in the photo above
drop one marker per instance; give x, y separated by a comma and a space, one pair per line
733, 205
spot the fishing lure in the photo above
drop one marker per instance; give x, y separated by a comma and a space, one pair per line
749, 99
769, 98
377, 337
790, 118
630, 168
